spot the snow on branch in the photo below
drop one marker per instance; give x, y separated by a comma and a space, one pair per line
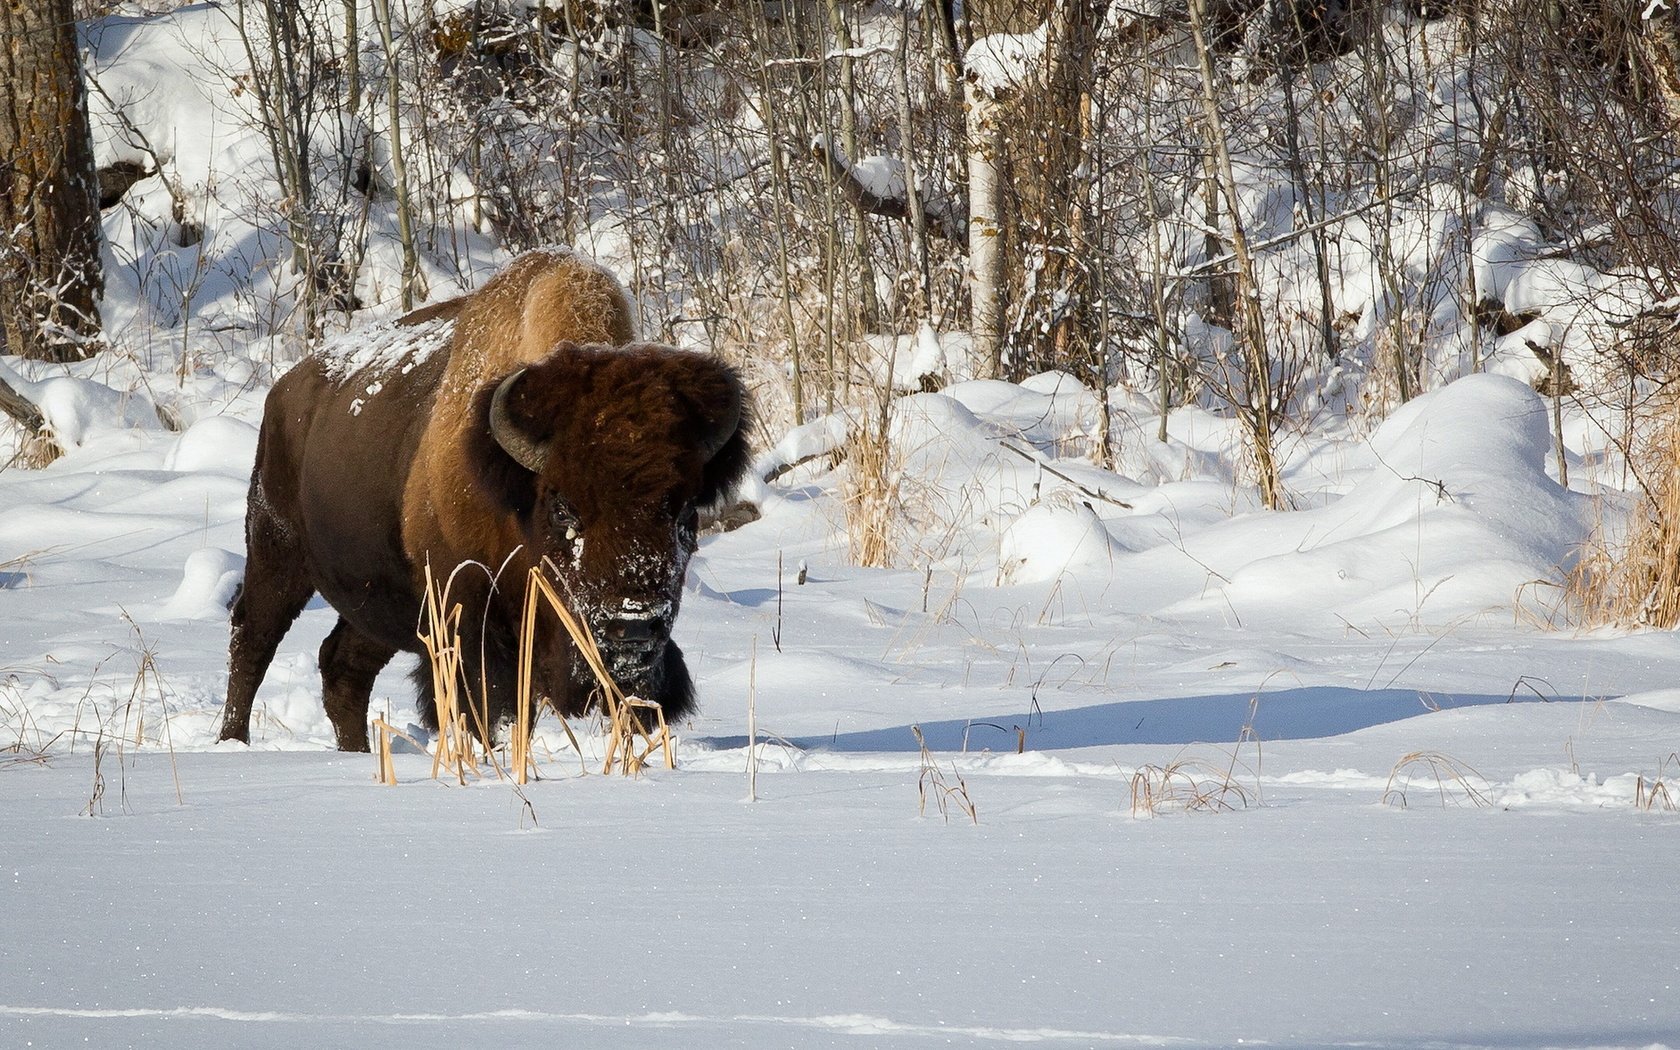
877, 185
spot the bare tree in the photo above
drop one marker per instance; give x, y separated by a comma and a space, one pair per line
1255, 405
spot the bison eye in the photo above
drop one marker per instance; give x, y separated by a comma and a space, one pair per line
562, 519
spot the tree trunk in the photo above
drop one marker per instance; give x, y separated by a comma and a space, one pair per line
1256, 410
50, 276
985, 247
413, 285
1658, 41
869, 308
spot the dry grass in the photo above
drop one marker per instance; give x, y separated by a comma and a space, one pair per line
1192, 785
871, 497
455, 749
932, 783
115, 738
16, 756
630, 740
15, 570
1652, 793
37, 451
1453, 781
635, 727
1634, 579
18, 721
1188, 785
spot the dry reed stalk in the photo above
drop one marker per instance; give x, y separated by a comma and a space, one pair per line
1445, 769
933, 780
453, 748
628, 728
519, 740
1650, 794
386, 773
752, 724
1646, 796
624, 725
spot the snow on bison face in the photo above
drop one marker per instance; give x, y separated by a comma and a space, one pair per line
606, 456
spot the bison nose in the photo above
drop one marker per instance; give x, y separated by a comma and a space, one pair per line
631, 630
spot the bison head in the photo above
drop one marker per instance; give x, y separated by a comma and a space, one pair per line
603, 458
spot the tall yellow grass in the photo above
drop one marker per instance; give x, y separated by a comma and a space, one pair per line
635, 727
1634, 580
623, 713
871, 497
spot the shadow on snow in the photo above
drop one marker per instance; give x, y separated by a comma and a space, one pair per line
1288, 714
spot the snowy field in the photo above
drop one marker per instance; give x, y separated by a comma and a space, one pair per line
1197, 774
1327, 777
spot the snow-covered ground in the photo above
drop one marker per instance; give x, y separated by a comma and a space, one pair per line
1420, 821
1197, 774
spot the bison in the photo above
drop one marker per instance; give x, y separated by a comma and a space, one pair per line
509, 429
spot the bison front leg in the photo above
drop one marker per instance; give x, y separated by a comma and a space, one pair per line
275, 590
350, 661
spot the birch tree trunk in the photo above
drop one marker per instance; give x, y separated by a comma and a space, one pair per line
412, 285
985, 247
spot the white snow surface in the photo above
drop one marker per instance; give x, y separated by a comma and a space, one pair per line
1435, 813
1002, 62
1432, 834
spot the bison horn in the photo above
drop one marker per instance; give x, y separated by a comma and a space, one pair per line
526, 451
728, 421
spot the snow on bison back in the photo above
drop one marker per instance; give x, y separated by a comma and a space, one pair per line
507, 429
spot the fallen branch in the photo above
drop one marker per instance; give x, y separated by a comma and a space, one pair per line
1048, 469
21, 409
787, 468
38, 447
945, 219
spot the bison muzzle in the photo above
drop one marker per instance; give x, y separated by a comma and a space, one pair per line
513, 429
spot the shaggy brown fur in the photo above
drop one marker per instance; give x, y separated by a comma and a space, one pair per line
366, 474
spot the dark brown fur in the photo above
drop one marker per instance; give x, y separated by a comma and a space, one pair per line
354, 493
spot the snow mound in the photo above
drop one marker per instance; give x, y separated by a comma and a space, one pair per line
209, 580
1456, 517
1053, 538
1052, 411
1003, 62
78, 409
1563, 787
217, 444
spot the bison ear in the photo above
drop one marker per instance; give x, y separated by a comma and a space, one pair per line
726, 409
502, 478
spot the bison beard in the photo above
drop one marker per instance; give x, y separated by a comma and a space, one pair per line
523, 441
